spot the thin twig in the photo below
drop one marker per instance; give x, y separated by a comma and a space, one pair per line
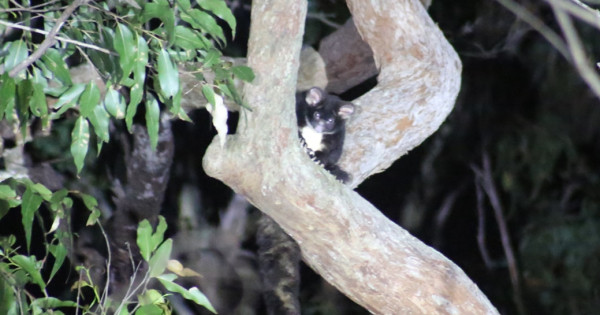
552, 37
39, 5
78, 292
581, 11
105, 293
31, 10
442, 216
62, 39
487, 182
587, 72
18, 5
322, 18
485, 255
17, 293
49, 41
130, 293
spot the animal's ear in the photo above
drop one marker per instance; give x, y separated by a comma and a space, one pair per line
346, 110
314, 96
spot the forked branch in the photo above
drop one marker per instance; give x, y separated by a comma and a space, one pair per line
343, 237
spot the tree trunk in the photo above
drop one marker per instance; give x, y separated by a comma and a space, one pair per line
343, 237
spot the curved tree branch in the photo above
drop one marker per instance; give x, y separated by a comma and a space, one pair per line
416, 90
343, 237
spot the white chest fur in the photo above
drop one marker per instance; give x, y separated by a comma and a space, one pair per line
312, 138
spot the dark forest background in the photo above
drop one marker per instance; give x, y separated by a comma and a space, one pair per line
523, 140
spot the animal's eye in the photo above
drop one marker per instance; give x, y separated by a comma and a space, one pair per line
330, 121
317, 115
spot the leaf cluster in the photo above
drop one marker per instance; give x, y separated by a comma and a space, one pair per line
133, 46
17, 270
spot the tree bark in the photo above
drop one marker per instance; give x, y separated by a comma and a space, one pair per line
348, 57
343, 237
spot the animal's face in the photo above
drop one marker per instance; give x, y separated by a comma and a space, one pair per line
326, 114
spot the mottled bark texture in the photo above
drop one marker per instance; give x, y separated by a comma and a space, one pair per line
139, 198
279, 266
343, 237
348, 57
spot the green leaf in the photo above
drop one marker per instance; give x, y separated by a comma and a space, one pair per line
139, 75
55, 63
141, 60
7, 297
100, 121
236, 96
125, 48
52, 303
184, 4
89, 99
212, 57
44, 192
149, 310
164, 13
70, 96
170, 277
174, 103
55, 91
183, 116
220, 9
136, 97
13, 202
4, 208
168, 76
8, 90
55, 223
152, 121
90, 202
158, 236
244, 73
114, 103
158, 261
38, 104
80, 139
221, 74
110, 62
209, 93
193, 294
17, 53
144, 239
29, 205
225, 89
203, 21
44, 69
182, 55
38, 77
6, 192
28, 264
101, 61
59, 252
93, 217
68, 202
58, 196
128, 82
151, 297
24, 94
188, 39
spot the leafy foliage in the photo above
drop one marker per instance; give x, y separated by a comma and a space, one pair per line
134, 48
17, 270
